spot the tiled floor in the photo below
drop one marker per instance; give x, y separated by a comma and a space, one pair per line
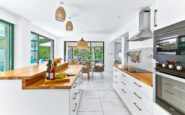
99, 98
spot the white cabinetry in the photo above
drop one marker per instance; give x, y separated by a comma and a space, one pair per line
75, 94
137, 96
168, 12
15, 101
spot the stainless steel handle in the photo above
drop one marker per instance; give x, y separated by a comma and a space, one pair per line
123, 83
75, 107
155, 18
137, 95
137, 106
137, 84
74, 86
75, 95
123, 75
123, 91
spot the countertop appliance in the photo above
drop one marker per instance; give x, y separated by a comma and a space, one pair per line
169, 49
169, 53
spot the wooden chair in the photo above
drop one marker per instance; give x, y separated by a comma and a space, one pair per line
99, 69
87, 69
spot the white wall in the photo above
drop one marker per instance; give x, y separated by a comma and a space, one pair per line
22, 35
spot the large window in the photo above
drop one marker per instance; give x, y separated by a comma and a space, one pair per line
42, 48
94, 53
6, 45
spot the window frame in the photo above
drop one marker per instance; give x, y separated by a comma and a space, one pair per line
52, 49
89, 46
11, 44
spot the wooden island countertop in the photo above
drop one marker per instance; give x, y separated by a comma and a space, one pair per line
33, 77
40, 84
145, 77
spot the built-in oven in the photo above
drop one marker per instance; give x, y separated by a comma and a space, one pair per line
170, 93
170, 49
169, 53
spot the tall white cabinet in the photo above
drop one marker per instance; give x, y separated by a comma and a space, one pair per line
168, 12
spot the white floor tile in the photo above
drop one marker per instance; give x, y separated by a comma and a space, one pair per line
90, 94
108, 95
99, 98
90, 105
90, 113
116, 113
112, 105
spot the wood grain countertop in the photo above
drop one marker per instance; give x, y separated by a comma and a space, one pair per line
33, 77
145, 77
40, 84
24, 73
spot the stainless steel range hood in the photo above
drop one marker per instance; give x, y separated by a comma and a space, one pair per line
144, 27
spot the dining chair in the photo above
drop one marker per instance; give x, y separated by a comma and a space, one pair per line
99, 69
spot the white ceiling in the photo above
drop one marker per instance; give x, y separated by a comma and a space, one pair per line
96, 18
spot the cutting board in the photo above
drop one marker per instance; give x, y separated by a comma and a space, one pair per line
57, 80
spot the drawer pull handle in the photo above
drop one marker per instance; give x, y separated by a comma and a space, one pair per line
137, 84
123, 75
137, 95
75, 107
123, 83
123, 91
137, 106
74, 86
75, 95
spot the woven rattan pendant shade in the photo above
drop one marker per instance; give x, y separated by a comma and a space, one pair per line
60, 14
82, 44
69, 26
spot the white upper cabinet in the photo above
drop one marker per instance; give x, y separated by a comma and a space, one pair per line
168, 12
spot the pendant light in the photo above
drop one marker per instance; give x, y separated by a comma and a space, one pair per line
82, 44
60, 14
69, 25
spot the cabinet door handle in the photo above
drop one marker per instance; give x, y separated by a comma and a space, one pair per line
123, 91
155, 18
137, 84
137, 95
137, 106
75, 107
123, 83
75, 95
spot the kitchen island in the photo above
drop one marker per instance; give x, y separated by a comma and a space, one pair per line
24, 91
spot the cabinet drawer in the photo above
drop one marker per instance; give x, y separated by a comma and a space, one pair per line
141, 87
142, 100
138, 108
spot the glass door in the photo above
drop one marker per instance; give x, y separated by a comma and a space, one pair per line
6, 46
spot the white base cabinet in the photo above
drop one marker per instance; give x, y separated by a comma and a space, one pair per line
16, 101
137, 96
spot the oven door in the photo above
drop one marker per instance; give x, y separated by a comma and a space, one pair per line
170, 93
167, 45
